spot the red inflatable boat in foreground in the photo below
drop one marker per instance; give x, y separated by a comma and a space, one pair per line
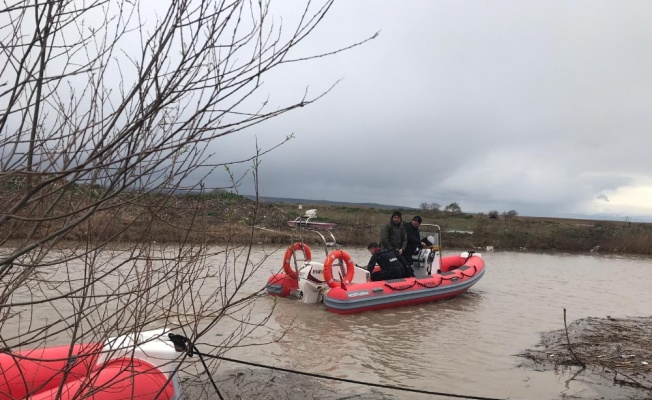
345, 288
137, 366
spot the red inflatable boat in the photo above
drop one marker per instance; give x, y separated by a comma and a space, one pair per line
345, 288
125, 367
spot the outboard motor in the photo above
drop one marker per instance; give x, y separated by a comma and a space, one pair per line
312, 283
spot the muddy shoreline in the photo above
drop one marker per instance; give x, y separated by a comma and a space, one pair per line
262, 384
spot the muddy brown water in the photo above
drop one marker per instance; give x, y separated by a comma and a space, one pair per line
466, 345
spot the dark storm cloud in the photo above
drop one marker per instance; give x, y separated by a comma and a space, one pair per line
542, 107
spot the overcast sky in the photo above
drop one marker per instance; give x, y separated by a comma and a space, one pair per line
541, 107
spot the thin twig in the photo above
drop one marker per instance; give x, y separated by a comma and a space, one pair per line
569, 344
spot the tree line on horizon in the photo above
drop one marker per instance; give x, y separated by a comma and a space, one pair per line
455, 208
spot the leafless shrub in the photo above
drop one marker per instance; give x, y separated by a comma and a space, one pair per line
107, 108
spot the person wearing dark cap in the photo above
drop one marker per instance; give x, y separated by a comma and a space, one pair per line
392, 265
412, 248
392, 235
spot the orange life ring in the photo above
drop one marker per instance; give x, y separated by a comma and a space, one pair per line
328, 267
289, 270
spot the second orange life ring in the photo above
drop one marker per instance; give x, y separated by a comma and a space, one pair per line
287, 268
328, 267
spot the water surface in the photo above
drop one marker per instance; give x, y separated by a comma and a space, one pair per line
465, 345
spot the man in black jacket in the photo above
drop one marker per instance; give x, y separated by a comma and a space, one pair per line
392, 265
413, 239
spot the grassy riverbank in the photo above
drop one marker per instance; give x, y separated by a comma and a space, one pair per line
226, 217
360, 225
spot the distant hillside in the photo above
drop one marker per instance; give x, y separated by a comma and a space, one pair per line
328, 202
591, 217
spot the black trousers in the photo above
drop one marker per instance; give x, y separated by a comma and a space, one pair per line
408, 254
384, 275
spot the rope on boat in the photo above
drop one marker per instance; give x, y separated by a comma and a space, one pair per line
429, 284
182, 343
475, 269
471, 253
401, 287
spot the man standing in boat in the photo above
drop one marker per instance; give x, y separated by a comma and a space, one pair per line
392, 235
413, 240
392, 265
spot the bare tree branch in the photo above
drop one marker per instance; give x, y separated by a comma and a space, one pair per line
107, 110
